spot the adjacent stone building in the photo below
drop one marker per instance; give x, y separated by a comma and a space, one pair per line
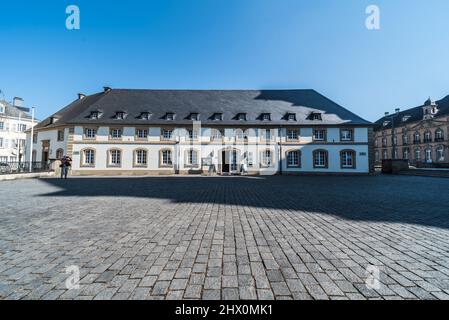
142, 132
419, 134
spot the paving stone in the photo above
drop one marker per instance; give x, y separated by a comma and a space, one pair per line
163, 242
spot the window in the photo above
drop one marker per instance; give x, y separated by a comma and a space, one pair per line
193, 134
376, 143
141, 133
266, 134
88, 157
144, 116
167, 134
239, 134
3, 159
385, 154
241, 116
417, 155
1, 142
166, 158
376, 155
215, 134
347, 158
217, 116
115, 157
291, 116
116, 133
320, 159
405, 153
21, 127
346, 135
440, 153
35, 138
2, 108
140, 157
192, 158
170, 116
59, 153
319, 134
90, 133
267, 158
120, 115
194, 116
439, 135
428, 154
427, 137
416, 138
94, 115
405, 139
293, 158
315, 116
292, 134
266, 116
60, 135
384, 142
2, 125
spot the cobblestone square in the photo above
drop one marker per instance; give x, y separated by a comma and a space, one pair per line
281, 237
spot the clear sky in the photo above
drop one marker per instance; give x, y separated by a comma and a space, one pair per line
227, 44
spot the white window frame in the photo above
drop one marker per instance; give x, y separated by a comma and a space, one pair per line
88, 159
142, 133
115, 158
319, 134
90, 133
292, 134
141, 157
293, 159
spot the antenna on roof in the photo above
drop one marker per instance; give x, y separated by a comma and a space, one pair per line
107, 89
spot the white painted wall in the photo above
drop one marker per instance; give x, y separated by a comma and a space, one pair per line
128, 145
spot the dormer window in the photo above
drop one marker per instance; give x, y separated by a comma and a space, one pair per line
144, 116
315, 116
405, 118
241, 116
386, 123
194, 116
291, 116
170, 116
266, 117
120, 115
217, 116
94, 115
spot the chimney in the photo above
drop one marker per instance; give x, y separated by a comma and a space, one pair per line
81, 96
17, 102
106, 89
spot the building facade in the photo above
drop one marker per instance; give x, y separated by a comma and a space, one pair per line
145, 132
14, 121
419, 135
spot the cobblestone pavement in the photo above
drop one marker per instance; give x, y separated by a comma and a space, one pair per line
225, 238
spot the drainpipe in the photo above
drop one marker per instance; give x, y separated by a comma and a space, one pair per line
280, 150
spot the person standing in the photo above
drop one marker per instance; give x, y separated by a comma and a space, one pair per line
66, 163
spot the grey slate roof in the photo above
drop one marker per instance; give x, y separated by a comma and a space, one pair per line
205, 102
14, 112
415, 114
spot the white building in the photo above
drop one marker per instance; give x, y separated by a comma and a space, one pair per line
14, 121
145, 132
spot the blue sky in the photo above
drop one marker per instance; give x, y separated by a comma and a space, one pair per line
227, 44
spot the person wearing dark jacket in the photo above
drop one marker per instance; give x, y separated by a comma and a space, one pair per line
66, 163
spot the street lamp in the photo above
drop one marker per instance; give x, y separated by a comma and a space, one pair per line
393, 133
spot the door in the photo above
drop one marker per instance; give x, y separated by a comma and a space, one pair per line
225, 162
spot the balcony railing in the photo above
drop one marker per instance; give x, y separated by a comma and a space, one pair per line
23, 167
